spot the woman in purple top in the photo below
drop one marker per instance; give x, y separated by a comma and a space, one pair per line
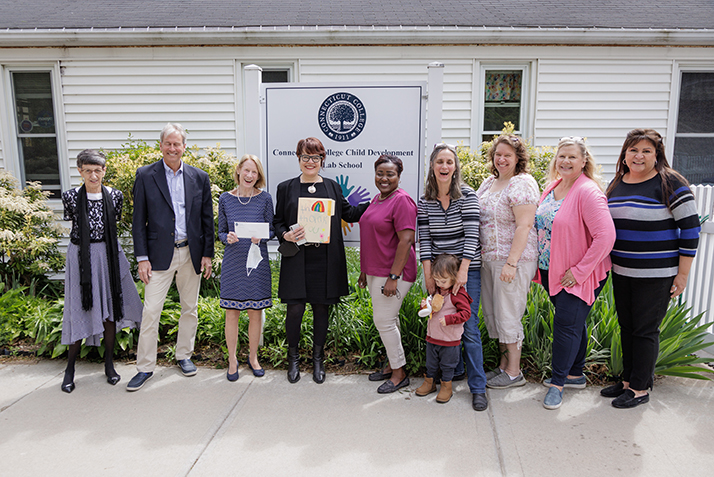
388, 263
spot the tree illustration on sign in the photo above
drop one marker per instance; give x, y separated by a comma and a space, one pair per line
342, 112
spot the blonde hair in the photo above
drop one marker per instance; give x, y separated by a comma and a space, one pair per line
591, 169
260, 183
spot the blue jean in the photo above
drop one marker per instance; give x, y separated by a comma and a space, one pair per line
471, 339
570, 334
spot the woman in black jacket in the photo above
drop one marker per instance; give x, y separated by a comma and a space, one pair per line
317, 272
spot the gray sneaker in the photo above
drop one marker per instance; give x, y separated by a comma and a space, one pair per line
493, 373
503, 381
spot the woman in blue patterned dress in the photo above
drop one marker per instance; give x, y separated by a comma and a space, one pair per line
99, 293
243, 288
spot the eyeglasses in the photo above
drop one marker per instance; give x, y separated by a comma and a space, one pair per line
577, 139
308, 158
93, 172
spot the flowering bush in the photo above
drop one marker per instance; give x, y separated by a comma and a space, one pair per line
29, 235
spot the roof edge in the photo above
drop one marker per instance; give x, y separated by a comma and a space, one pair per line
350, 35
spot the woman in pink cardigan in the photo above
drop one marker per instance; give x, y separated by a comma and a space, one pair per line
575, 237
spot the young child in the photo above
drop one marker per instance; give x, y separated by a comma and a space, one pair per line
444, 328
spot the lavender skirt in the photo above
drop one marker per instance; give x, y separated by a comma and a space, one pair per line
79, 324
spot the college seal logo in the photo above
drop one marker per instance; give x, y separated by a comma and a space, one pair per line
342, 117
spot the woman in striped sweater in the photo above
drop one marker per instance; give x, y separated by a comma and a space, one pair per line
448, 222
657, 236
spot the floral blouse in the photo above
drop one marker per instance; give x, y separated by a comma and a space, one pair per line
544, 224
498, 222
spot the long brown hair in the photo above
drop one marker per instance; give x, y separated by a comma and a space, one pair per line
431, 191
522, 154
662, 166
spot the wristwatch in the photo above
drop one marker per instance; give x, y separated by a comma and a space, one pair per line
394, 277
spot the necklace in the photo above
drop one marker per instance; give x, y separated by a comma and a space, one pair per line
249, 198
312, 188
380, 199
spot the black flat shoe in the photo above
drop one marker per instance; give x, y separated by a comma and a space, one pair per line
479, 401
628, 400
613, 391
113, 380
390, 387
379, 375
68, 388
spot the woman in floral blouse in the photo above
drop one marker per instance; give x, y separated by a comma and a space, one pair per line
509, 251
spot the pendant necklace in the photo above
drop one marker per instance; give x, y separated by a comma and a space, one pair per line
249, 198
312, 188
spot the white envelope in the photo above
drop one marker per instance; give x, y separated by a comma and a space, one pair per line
259, 230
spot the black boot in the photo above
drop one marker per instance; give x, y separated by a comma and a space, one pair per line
318, 362
293, 365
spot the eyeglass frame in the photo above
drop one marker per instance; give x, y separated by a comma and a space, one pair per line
314, 158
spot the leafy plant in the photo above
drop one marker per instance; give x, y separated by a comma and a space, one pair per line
29, 235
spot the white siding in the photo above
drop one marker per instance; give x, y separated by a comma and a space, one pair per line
600, 100
456, 125
106, 101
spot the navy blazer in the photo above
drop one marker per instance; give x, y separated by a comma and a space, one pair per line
154, 218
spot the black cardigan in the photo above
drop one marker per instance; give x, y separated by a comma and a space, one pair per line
292, 269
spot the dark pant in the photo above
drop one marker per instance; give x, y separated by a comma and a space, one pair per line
442, 357
320, 320
641, 304
570, 336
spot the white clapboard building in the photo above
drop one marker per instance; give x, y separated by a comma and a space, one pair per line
79, 74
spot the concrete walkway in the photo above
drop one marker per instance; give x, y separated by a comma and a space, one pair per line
206, 426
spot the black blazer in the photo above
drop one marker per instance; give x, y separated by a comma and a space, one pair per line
154, 219
292, 269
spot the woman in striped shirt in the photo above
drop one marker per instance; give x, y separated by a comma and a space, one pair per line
448, 222
657, 236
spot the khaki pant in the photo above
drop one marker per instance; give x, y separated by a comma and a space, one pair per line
188, 283
385, 311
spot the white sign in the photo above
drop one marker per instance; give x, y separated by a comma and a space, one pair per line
356, 123
259, 230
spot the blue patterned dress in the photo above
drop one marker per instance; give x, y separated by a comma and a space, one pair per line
239, 291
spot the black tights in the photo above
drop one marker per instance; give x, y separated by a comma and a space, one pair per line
73, 352
320, 319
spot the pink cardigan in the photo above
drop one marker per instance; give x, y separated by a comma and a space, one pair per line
583, 236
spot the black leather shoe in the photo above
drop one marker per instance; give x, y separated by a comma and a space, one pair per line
628, 400
318, 363
113, 380
187, 367
68, 388
479, 401
390, 387
613, 391
138, 381
293, 365
379, 375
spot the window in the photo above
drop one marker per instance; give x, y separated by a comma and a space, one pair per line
275, 75
694, 139
502, 100
35, 129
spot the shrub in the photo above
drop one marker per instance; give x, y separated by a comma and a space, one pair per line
29, 235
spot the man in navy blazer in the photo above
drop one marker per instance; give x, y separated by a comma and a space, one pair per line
173, 236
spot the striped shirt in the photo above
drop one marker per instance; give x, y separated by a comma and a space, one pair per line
455, 230
650, 237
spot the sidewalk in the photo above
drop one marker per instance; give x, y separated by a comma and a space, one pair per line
206, 426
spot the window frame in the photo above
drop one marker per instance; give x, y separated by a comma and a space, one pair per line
478, 116
9, 115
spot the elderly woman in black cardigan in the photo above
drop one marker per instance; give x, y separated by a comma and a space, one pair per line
315, 273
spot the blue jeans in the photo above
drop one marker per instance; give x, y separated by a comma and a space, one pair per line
570, 334
471, 339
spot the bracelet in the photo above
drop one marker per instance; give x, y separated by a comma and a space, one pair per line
511, 265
